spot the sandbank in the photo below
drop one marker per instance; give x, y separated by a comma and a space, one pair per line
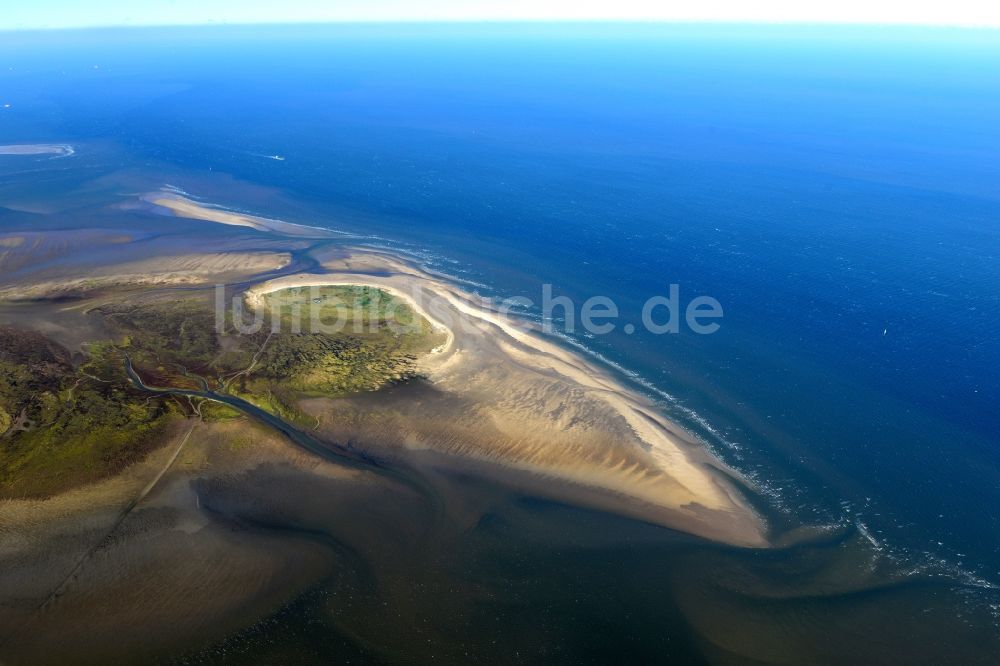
57, 149
553, 413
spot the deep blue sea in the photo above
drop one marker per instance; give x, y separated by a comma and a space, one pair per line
836, 189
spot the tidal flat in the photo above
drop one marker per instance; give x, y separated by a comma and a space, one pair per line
442, 485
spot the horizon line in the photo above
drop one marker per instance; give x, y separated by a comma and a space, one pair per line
515, 22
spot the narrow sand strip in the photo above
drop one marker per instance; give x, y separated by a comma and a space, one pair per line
181, 206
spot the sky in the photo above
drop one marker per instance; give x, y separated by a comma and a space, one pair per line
33, 14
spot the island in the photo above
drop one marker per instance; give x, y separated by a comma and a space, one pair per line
170, 408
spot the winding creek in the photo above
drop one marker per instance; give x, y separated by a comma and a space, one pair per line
335, 453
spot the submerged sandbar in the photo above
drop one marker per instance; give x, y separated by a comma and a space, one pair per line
57, 149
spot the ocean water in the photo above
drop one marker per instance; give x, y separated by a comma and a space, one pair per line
836, 189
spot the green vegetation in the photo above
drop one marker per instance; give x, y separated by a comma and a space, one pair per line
341, 309
173, 340
65, 422
68, 426
333, 341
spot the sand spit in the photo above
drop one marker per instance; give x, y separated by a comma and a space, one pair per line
533, 406
56, 149
181, 206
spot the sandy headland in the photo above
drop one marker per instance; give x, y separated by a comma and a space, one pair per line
509, 397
